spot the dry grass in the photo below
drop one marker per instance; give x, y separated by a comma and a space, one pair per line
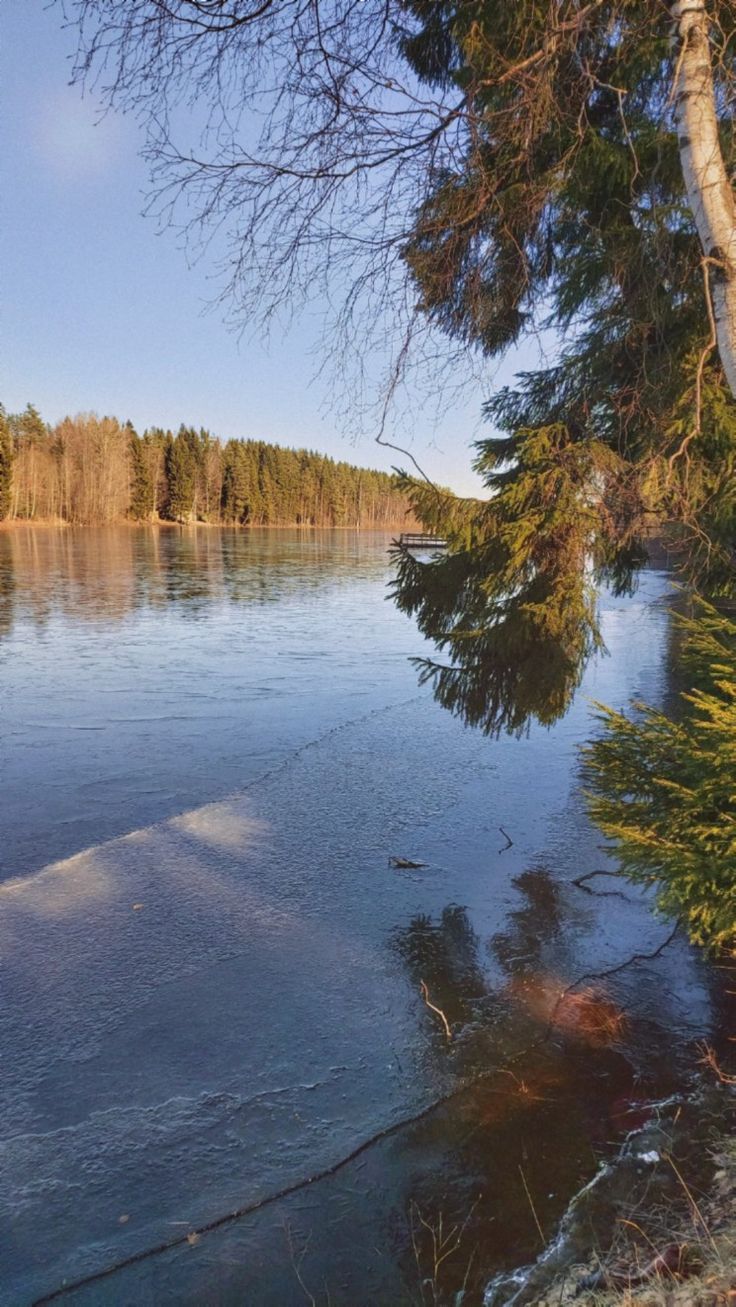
690, 1262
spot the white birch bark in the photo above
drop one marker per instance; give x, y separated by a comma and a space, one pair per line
709, 189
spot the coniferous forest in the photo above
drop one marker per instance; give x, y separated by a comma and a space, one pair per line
88, 470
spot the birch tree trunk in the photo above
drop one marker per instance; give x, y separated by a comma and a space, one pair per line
709, 189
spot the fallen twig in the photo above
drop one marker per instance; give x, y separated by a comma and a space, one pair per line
508, 839
709, 1059
580, 881
438, 1010
531, 1204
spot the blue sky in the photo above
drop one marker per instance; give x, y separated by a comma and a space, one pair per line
103, 312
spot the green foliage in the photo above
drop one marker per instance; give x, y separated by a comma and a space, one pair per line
6, 466
265, 485
664, 790
180, 464
30, 437
192, 477
237, 499
141, 481
28, 427
566, 207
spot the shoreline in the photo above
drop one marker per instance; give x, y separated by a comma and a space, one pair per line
49, 524
634, 1236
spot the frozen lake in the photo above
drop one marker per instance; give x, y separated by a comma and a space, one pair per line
212, 743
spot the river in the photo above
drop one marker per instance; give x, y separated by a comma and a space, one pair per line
213, 979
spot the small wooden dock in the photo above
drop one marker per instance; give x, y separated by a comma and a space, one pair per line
414, 540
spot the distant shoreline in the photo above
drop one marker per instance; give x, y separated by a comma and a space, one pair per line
49, 524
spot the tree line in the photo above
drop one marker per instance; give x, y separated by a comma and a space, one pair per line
90, 470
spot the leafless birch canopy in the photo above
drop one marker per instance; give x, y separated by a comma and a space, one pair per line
295, 133
321, 138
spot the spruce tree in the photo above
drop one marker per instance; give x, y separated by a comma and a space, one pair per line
180, 479
193, 442
662, 787
568, 208
30, 426
6, 466
236, 483
141, 483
